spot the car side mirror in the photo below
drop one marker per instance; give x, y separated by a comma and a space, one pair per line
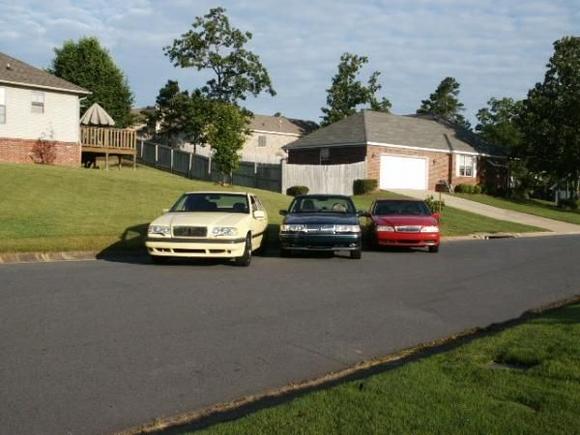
259, 214
437, 216
283, 212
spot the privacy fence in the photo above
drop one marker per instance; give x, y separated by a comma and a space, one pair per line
267, 176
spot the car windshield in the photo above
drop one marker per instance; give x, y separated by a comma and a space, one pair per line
402, 208
209, 202
322, 204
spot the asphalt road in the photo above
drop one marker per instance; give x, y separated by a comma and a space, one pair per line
97, 346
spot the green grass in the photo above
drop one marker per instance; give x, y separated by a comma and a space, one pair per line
536, 390
530, 206
45, 208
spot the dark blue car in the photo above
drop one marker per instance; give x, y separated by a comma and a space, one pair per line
321, 223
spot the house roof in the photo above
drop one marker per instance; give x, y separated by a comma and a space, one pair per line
418, 131
281, 124
16, 72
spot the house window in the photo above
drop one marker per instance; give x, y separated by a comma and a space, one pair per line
261, 141
324, 155
2, 105
37, 102
466, 165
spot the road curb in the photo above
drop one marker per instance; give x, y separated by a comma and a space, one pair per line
246, 405
45, 257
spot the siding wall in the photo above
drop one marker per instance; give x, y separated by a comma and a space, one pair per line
59, 122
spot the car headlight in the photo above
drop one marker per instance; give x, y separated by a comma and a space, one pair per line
430, 229
224, 231
163, 230
385, 229
292, 228
347, 228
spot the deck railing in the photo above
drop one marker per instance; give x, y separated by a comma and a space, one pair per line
108, 138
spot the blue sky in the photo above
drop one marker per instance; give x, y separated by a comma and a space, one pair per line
493, 48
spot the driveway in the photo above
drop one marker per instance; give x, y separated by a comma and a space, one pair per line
497, 213
94, 347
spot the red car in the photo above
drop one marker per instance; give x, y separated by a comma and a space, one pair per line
404, 222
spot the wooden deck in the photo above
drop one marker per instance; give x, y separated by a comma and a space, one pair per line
109, 141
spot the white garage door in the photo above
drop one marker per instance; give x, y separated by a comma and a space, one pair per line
399, 172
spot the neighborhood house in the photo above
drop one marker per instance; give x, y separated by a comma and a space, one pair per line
37, 108
403, 152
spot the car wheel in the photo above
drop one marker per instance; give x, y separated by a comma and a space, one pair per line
434, 249
157, 259
356, 254
245, 259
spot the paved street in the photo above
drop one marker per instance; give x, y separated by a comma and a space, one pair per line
93, 347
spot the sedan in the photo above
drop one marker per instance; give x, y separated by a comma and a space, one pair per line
209, 224
321, 223
401, 222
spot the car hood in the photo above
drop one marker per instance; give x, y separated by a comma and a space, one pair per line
201, 219
396, 221
321, 218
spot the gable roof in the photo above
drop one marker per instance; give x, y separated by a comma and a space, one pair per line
16, 72
281, 124
417, 131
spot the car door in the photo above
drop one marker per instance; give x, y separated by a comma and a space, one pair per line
259, 224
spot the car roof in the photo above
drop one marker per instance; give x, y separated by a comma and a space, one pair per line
399, 200
318, 195
218, 192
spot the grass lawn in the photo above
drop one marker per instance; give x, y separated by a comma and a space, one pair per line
46, 208
530, 206
524, 380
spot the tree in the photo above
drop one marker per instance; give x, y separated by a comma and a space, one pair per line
498, 123
347, 92
87, 64
179, 114
213, 44
226, 133
445, 104
550, 120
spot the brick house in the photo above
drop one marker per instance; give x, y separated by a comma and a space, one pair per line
403, 152
37, 108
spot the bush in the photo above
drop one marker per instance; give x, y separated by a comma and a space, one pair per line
568, 204
44, 152
467, 188
434, 204
297, 190
360, 187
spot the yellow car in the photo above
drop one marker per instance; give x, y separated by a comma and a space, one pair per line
209, 224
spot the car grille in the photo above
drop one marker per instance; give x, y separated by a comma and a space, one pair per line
190, 231
319, 228
408, 229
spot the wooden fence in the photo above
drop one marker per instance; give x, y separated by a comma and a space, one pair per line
336, 179
113, 140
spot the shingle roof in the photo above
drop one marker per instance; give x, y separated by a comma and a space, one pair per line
421, 131
14, 71
281, 124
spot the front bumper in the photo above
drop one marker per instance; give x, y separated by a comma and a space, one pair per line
418, 240
208, 248
320, 242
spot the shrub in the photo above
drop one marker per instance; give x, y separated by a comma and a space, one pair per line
360, 187
44, 152
434, 204
297, 190
568, 204
467, 188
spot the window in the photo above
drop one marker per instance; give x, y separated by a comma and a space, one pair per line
2, 105
261, 141
466, 165
324, 155
37, 102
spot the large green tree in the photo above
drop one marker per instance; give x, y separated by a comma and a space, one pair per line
87, 64
498, 123
347, 93
444, 102
550, 120
214, 45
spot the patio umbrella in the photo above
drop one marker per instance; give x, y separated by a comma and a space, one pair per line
96, 115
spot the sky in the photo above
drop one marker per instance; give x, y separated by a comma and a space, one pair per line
495, 48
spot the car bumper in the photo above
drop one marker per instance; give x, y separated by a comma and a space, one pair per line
208, 248
407, 239
320, 242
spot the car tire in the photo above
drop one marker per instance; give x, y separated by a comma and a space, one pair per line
434, 249
357, 254
246, 259
158, 259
